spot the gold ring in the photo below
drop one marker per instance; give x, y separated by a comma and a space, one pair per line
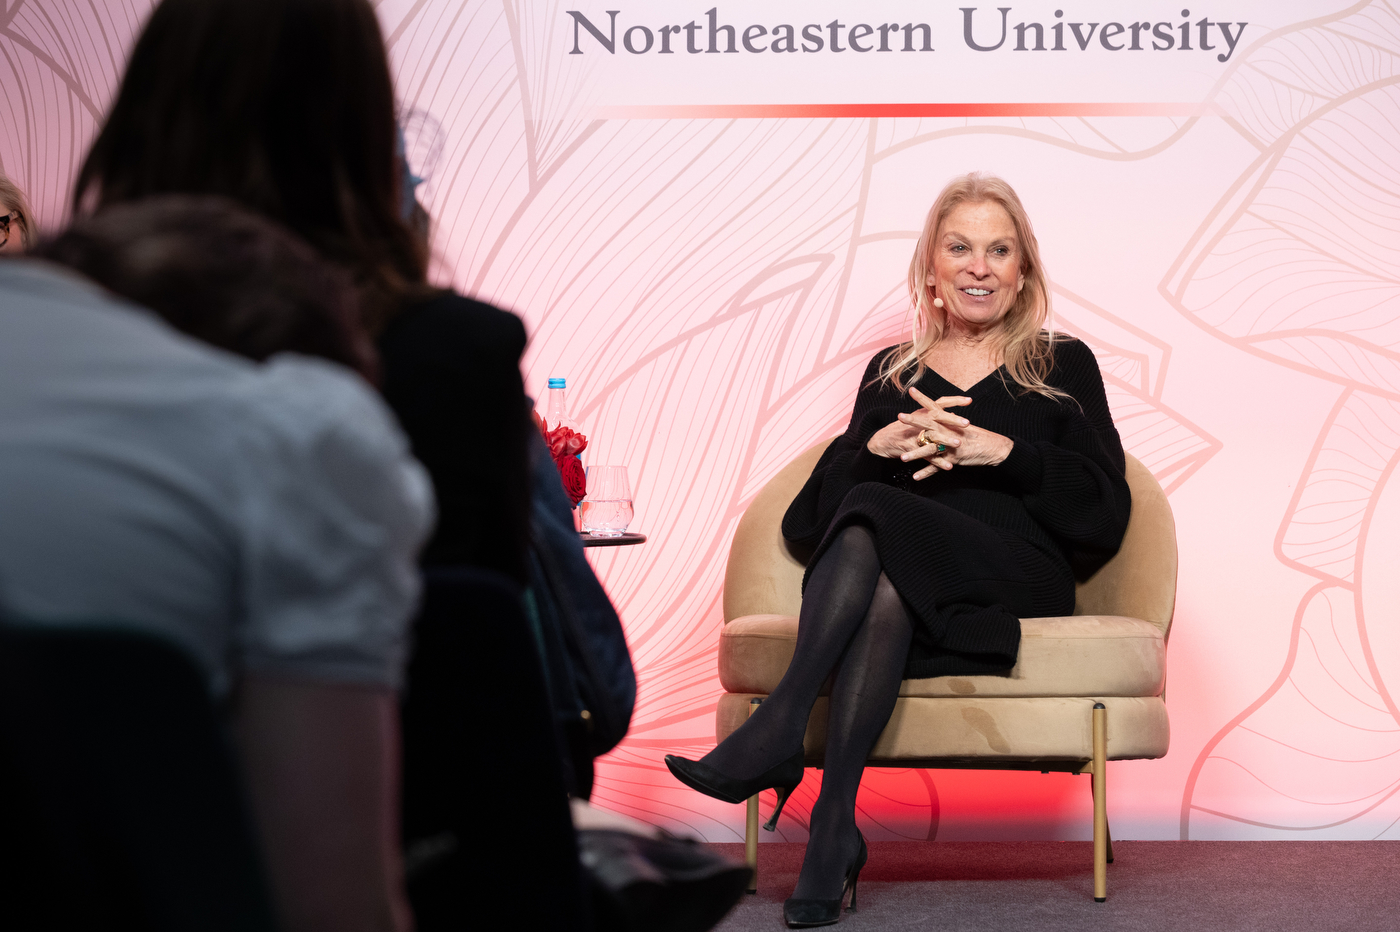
923, 438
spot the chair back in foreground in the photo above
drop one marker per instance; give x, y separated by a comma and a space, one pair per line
485, 804
1086, 688
121, 806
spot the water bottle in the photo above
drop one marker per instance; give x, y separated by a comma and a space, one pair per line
556, 413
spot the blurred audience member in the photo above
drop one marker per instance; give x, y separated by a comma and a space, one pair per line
16, 221
221, 274
287, 107
264, 517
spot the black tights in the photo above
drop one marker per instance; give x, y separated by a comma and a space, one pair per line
854, 622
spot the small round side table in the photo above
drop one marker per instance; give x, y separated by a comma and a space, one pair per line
626, 539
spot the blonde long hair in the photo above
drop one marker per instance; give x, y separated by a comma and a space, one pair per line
1027, 330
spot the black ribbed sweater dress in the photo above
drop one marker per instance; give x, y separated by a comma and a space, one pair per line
974, 549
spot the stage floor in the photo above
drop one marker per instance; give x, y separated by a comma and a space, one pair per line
1279, 886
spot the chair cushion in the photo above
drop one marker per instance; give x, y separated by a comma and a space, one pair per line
990, 729
1077, 655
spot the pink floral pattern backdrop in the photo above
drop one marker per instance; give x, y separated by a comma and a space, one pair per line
712, 289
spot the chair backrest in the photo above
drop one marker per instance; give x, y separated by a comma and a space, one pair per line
1140, 580
121, 805
764, 575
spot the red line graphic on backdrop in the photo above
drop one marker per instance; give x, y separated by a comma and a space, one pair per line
891, 111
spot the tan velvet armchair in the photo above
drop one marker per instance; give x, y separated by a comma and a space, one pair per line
1086, 689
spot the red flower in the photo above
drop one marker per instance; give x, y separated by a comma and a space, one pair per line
571, 471
564, 441
565, 444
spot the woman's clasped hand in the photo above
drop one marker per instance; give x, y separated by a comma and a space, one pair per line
941, 437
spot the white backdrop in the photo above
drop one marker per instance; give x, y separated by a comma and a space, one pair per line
711, 246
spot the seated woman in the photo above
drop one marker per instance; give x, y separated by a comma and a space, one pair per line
980, 473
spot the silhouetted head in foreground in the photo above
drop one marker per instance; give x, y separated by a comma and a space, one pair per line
219, 273
285, 106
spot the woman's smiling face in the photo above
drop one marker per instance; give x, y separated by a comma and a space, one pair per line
977, 266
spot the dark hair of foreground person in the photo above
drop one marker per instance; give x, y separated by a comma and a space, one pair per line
221, 274
285, 106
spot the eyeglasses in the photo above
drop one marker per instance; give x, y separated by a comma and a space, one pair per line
5, 225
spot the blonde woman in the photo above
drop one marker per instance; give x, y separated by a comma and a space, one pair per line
16, 221
980, 472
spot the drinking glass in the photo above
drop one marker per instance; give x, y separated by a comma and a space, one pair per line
607, 508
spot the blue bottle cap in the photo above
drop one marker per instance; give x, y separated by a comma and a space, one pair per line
557, 383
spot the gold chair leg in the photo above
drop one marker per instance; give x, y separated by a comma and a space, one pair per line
751, 827
1108, 829
1101, 841
751, 841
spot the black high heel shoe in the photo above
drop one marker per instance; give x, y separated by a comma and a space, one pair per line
784, 778
806, 914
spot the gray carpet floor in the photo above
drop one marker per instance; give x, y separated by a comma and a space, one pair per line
1278, 886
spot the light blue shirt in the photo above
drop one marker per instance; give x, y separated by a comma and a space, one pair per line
266, 517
